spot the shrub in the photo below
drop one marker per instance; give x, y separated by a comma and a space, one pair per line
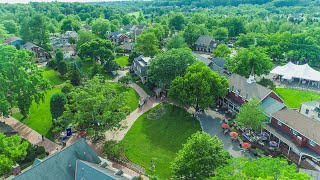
112, 149
40, 150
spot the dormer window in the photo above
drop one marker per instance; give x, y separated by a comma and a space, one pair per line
237, 93
307, 111
312, 143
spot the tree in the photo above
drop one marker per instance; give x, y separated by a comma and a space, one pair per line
99, 50
84, 37
3, 33
57, 102
199, 157
70, 24
251, 115
268, 83
177, 41
12, 149
100, 27
126, 20
21, 81
177, 21
96, 106
59, 55
259, 168
75, 77
199, 87
234, 25
250, 58
11, 26
147, 44
35, 29
222, 51
62, 67
166, 66
221, 34
193, 31
132, 56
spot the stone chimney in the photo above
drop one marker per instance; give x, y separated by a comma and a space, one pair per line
16, 169
251, 78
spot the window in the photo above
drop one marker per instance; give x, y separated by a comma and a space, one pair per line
307, 111
294, 132
318, 115
312, 143
237, 93
279, 123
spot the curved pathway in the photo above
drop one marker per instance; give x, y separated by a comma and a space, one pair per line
31, 135
132, 117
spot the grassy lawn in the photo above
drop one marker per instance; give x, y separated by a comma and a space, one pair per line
52, 76
159, 140
122, 60
293, 98
131, 95
40, 117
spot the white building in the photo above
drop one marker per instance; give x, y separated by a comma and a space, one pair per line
311, 109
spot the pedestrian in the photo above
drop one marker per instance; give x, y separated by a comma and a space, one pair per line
42, 137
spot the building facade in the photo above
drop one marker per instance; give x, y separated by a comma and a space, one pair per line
140, 67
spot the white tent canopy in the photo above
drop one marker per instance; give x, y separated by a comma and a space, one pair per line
291, 70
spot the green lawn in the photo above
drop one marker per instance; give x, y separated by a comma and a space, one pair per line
122, 60
52, 76
40, 117
132, 96
159, 140
293, 98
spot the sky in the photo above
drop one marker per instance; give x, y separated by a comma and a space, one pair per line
26, 1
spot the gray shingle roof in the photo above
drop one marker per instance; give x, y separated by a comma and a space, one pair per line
270, 106
240, 84
29, 45
205, 40
87, 170
210, 64
306, 126
219, 62
61, 165
11, 39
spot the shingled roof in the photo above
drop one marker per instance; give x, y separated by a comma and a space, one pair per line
240, 85
11, 39
61, 165
306, 126
204, 40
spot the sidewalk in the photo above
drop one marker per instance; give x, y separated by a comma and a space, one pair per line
132, 117
31, 135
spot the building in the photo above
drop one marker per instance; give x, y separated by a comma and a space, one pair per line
15, 41
212, 64
298, 133
40, 54
205, 44
242, 90
6, 129
118, 38
133, 30
75, 162
311, 109
70, 34
140, 67
127, 47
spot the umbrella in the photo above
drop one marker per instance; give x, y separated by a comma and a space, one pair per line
273, 143
245, 145
225, 126
264, 134
233, 134
263, 138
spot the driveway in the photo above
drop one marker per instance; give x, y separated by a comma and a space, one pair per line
210, 121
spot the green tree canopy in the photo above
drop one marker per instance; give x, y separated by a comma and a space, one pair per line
11, 26
199, 87
21, 81
166, 66
260, 168
100, 27
248, 58
70, 24
222, 51
177, 21
57, 102
221, 34
84, 37
251, 115
193, 31
177, 41
96, 106
12, 149
199, 157
147, 44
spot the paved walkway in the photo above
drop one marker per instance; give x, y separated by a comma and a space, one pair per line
31, 135
132, 117
211, 124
